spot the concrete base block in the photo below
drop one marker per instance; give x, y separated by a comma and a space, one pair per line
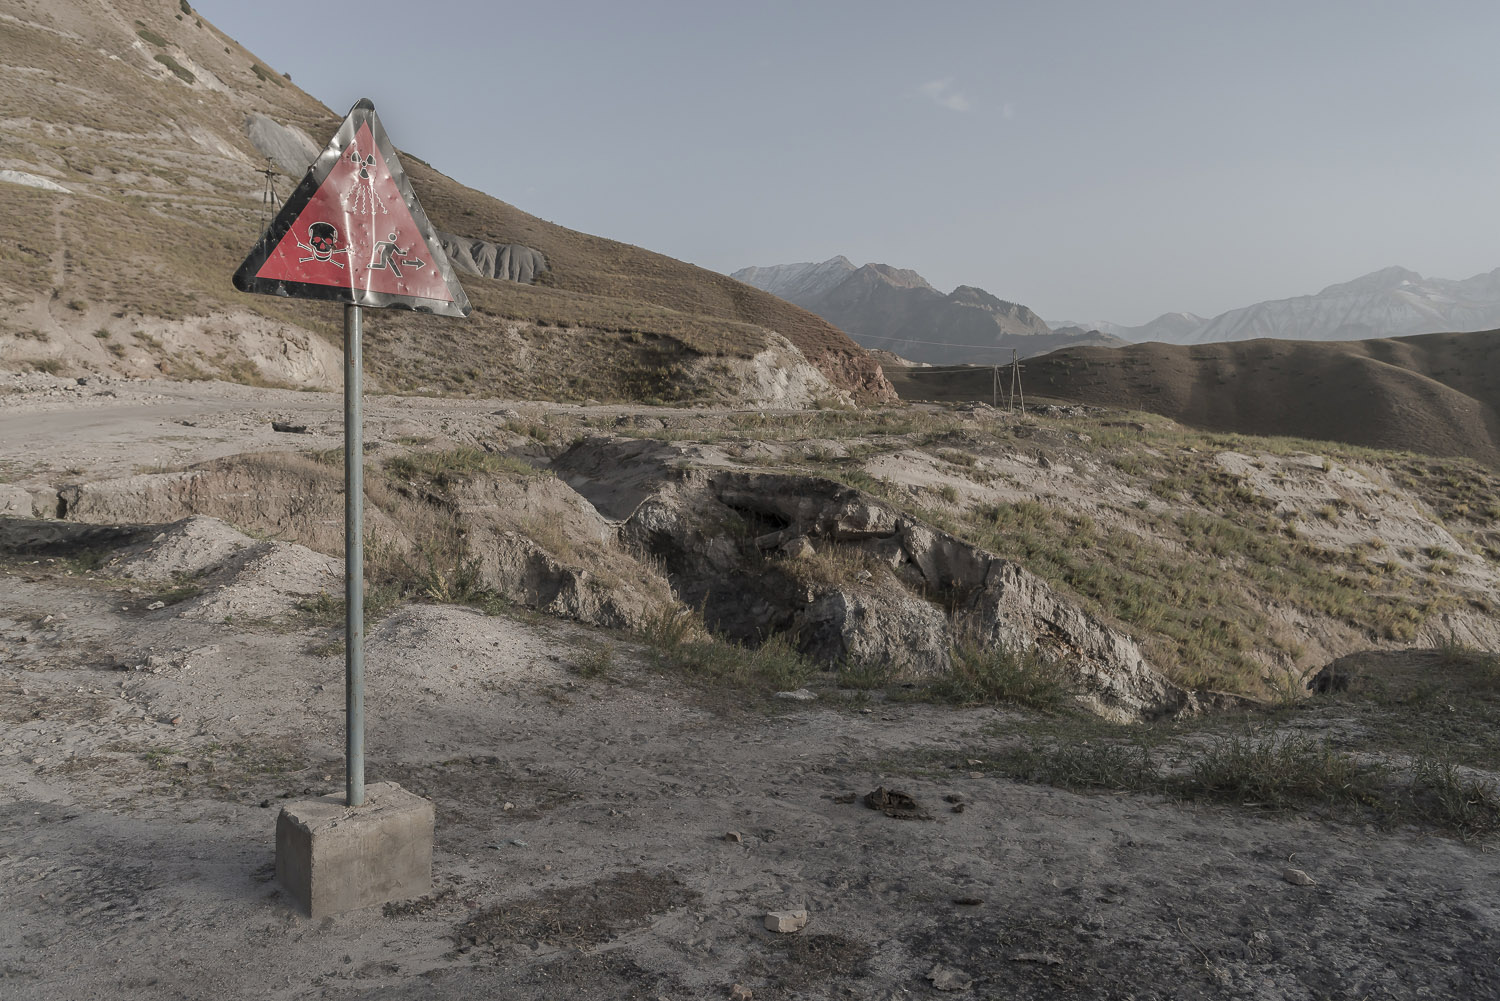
334, 858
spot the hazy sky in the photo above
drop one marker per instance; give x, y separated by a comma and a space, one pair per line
1095, 161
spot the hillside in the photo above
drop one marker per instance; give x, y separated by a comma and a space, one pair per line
1391, 302
133, 190
896, 310
1437, 394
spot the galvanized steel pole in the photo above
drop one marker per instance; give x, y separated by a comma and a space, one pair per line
354, 559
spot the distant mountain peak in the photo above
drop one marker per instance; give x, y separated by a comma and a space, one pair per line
900, 277
1390, 302
1376, 281
895, 309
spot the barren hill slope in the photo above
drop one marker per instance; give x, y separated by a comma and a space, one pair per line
132, 191
1437, 394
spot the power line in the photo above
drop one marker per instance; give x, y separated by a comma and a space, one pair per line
941, 344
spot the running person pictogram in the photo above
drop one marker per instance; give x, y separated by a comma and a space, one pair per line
388, 255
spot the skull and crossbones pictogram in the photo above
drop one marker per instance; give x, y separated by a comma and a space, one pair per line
322, 244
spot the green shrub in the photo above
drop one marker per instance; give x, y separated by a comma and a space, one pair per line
182, 72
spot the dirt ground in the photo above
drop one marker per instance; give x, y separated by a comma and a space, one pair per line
583, 808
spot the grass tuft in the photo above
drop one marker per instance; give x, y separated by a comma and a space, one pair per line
1441, 794
987, 675
1282, 773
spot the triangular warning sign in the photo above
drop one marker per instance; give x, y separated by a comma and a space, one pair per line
353, 231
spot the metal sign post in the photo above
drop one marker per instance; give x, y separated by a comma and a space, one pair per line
353, 232
354, 560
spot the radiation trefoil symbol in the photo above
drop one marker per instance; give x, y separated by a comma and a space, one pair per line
362, 195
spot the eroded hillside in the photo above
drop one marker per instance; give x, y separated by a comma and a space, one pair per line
1152, 560
134, 190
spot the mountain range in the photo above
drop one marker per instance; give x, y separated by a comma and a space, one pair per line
1390, 302
896, 310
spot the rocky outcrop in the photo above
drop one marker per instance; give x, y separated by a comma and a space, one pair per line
484, 259
287, 146
778, 376
853, 580
541, 545
877, 626
993, 601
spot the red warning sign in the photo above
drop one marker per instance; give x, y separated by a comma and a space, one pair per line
353, 231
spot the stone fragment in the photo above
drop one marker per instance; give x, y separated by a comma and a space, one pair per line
739, 992
735, 837
800, 695
946, 978
1296, 877
785, 922
800, 548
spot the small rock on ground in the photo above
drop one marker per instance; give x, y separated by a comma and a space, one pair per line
785, 922
946, 978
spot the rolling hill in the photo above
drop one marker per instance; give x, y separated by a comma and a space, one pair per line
1437, 394
131, 183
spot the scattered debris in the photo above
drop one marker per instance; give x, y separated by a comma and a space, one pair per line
740, 992
1297, 877
845, 797
785, 922
286, 428
895, 803
800, 695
